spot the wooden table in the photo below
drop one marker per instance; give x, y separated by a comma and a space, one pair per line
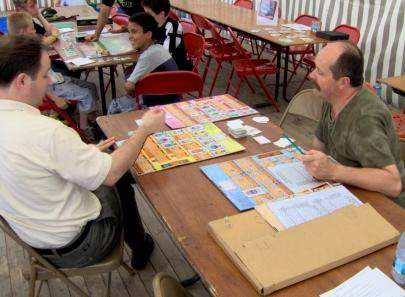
101, 62
245, 20
186, 201
397, 83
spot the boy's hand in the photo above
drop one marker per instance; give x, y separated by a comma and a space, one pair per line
60, 102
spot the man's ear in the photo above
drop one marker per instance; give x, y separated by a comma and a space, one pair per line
344, 82
149, 34
22, 80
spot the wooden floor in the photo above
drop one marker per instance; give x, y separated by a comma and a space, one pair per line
166, 256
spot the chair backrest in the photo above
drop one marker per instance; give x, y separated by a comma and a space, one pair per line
188, 26
244, 3
201, 22
166, 286
370, 86
305, 104
306, 19
168, 83
353, 32
195, 45
173, 15
243, 53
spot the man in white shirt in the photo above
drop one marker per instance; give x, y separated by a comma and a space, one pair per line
47, 174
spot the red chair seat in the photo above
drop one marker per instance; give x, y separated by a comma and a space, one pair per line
309, 60
262, 66
300, 49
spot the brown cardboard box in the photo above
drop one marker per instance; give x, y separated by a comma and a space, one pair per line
273, 260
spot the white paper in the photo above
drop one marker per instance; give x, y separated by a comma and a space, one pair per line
80, 61
261, 120
294, 176
252, 131
285, 40
138, 122
261, 139
120, 142
255, 31
282, 142
65, 30
367, 283
298, 27
91, 32
235, 124
301, 209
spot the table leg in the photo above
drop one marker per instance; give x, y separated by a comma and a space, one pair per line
112, 77
287, 50
102, 94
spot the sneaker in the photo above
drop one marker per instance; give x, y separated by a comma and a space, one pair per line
139, 260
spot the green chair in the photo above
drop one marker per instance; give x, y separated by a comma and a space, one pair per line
165, 285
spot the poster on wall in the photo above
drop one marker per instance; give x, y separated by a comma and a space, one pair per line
267, 12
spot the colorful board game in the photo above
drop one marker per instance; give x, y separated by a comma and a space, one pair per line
217, 108
107, 45
168, 149
248, 181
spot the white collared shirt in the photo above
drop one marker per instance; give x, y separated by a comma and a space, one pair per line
46, 176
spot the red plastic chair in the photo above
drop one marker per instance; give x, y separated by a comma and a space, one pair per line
167, 83
48, 104
203, 25
244, 3
195, 45
188, 26
251, 67
173, 15
309, 60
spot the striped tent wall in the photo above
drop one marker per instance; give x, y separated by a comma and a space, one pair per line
381, 24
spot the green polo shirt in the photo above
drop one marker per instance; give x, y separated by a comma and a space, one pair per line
362, 135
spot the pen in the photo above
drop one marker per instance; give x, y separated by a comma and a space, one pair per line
293, 143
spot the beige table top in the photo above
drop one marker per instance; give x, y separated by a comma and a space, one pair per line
396, 82
243, 20
85, 10
187, 201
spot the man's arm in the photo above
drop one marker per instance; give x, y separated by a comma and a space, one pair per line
126, 155
385, 180
101, 22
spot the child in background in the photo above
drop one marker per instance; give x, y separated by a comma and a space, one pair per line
84, 92
153, 58
169, 32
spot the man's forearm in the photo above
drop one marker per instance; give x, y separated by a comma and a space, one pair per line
102, 19
126, 155
386, 181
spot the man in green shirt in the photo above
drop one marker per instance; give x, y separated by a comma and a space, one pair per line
355, 128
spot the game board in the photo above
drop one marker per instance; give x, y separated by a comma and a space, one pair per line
182, 146
247, 182
107, 45
217, 108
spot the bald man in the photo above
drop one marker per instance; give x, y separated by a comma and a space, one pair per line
355, 128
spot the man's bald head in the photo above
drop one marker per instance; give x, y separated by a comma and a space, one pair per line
348, 61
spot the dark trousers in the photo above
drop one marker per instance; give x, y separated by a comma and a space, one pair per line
98, 238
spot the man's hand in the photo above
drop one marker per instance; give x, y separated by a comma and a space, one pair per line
92, 37
319, 165
153, 120
105, 144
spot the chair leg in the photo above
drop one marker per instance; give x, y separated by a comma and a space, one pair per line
127, 268
39, 288
239, 85
303, 80
271, 98
207, 65
250, 86
33, 278
215, 78
229, 81
109, 285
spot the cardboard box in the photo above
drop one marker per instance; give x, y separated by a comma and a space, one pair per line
273, 260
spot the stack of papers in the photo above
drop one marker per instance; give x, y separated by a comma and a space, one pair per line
298, 27
367, 283
283, 142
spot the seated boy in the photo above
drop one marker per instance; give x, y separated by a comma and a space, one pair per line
153, 58
70, 88
169, 33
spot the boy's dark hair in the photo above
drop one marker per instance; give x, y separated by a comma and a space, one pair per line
157, 5
350, 63
146, 21
19, 54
